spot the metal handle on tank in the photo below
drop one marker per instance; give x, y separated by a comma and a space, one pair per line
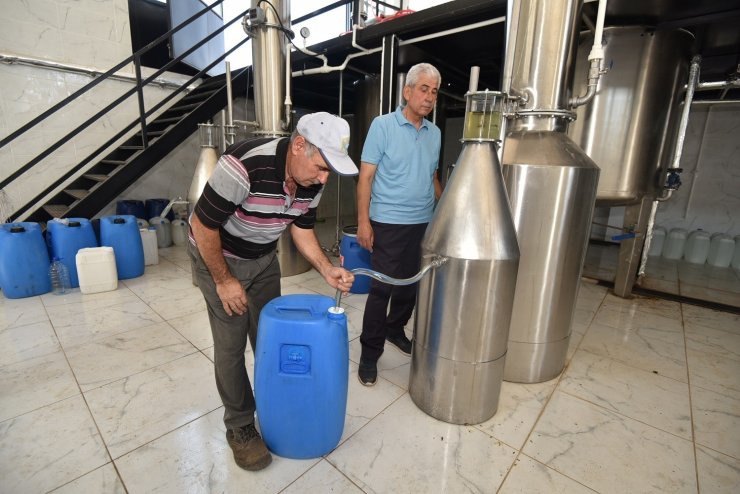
437, 261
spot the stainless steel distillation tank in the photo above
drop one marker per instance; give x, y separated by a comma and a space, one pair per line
207, 160
464, 306
551, 184
630, 126
270, 55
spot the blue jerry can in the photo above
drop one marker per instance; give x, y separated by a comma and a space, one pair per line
300, 373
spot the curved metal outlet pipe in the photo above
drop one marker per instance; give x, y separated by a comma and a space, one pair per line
436, 262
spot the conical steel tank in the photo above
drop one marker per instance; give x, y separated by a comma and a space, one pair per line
551, 184
464, 307
552, 188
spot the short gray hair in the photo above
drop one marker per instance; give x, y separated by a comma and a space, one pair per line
422, 69
310, 148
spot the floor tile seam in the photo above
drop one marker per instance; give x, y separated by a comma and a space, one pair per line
670, 320
104, 336
91, 415
732, 394
519, 451
88, 473
341, 472
376, 415
36, 356
633, 329
696, 328
711, 354
185, 337
42, 406
323, 458
545, 465
691, 402
626, 364
715, 450
150, 441
142, 371
92, 304
624, 415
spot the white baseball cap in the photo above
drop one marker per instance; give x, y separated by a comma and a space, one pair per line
330, 134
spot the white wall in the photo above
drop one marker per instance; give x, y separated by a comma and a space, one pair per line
709, 198
89, 34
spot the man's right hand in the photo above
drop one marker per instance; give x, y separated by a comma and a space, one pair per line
365, 236
232, 295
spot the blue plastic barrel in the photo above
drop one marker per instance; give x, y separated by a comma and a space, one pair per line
24, 260
154, 207
355, 256
132, 207
300, 374
66, 238
122, 233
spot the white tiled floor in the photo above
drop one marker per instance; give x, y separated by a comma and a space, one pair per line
114, 392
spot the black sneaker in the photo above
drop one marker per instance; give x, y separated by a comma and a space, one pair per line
400, 342
250, 452
367, 373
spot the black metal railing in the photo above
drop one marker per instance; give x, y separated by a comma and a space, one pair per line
138, 89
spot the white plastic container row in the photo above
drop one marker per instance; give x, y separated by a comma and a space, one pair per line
719, 249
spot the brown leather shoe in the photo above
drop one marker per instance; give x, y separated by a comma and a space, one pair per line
250, 452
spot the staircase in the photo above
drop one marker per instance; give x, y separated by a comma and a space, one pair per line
112, 175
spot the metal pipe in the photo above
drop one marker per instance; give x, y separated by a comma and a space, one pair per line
223, 133
474, 75
711, 102
324, 69
335, 247
676, 161
354, 39
160, 81
229, 102
712, 85
439, 34
288, 101
595, 58
648, 239
436, 262
693, 78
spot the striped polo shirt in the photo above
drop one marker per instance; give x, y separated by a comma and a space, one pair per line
247, 200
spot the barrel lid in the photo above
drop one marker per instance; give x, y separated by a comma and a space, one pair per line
76, 224
17, 229
119, 221
350, 230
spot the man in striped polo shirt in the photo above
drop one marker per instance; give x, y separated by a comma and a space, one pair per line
259, 188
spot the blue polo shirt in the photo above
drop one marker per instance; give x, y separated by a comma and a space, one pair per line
405, 159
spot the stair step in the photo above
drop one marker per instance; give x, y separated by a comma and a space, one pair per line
130, 148
96, 177
155, 133
200, 95
56, 210
191, 106
167, 119
77, 193
114, 162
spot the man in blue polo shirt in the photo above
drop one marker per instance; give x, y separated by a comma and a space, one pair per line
395, 201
